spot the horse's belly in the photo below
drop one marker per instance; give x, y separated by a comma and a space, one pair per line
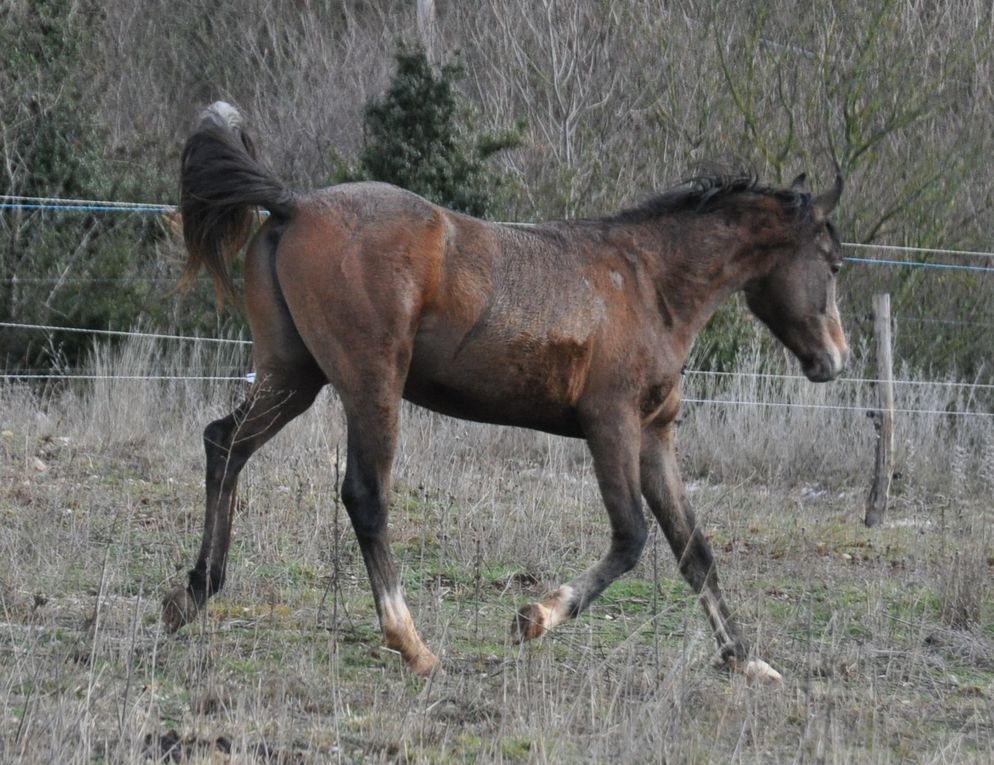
482, 406
499, 388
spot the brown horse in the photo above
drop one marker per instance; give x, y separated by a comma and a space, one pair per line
578, 328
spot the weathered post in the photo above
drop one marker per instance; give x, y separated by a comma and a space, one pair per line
883, 419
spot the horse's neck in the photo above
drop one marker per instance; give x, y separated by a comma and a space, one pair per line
699, 266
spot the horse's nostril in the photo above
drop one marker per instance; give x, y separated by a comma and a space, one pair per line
825, 366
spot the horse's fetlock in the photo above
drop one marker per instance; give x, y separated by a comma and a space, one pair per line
216, 581
202, 585
735, 651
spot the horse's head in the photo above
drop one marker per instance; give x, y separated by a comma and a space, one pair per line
796, 298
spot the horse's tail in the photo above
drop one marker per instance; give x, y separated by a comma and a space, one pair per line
221, 184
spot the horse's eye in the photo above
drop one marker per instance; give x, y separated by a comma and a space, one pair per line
836, 267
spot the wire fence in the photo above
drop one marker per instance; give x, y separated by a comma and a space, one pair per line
248, 376
81, 375
33, 203
920, 264
17, 202
122, 333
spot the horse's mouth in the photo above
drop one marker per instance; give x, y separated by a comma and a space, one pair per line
825, 366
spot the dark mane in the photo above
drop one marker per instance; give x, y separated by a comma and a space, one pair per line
704, 193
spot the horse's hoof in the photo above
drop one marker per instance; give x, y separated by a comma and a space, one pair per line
425, 664
530, 622
178, 608
757, 671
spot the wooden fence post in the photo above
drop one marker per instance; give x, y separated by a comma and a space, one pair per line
883, 419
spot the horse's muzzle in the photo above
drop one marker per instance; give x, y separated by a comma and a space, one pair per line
826, 365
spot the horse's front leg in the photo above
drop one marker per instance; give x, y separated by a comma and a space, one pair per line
613, 440
663, 490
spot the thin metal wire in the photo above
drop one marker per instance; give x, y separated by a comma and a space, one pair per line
699, 372
58, 203
853, 380
203, 369
949, 322
909, 248
90, 280
916, 264
43, 374
834, 407
119, 333
242, 378
85, 208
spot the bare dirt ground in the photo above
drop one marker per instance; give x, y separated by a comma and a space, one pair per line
885, 637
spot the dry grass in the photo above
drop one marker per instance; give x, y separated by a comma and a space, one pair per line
885, 637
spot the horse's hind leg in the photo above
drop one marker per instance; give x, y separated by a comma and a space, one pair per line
663, 490
613, 443
277, 397
372, 437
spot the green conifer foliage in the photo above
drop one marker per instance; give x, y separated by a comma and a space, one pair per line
420, 136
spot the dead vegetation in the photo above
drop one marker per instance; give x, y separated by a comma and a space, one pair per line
885, 637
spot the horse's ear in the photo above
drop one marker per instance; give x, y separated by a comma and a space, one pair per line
823, 204
799, 184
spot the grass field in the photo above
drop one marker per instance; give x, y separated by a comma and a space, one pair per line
885, 637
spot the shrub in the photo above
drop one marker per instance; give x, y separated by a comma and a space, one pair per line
421, 136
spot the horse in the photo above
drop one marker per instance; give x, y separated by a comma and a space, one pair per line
579, 328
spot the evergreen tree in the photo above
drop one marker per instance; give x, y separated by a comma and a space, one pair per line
420, 136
